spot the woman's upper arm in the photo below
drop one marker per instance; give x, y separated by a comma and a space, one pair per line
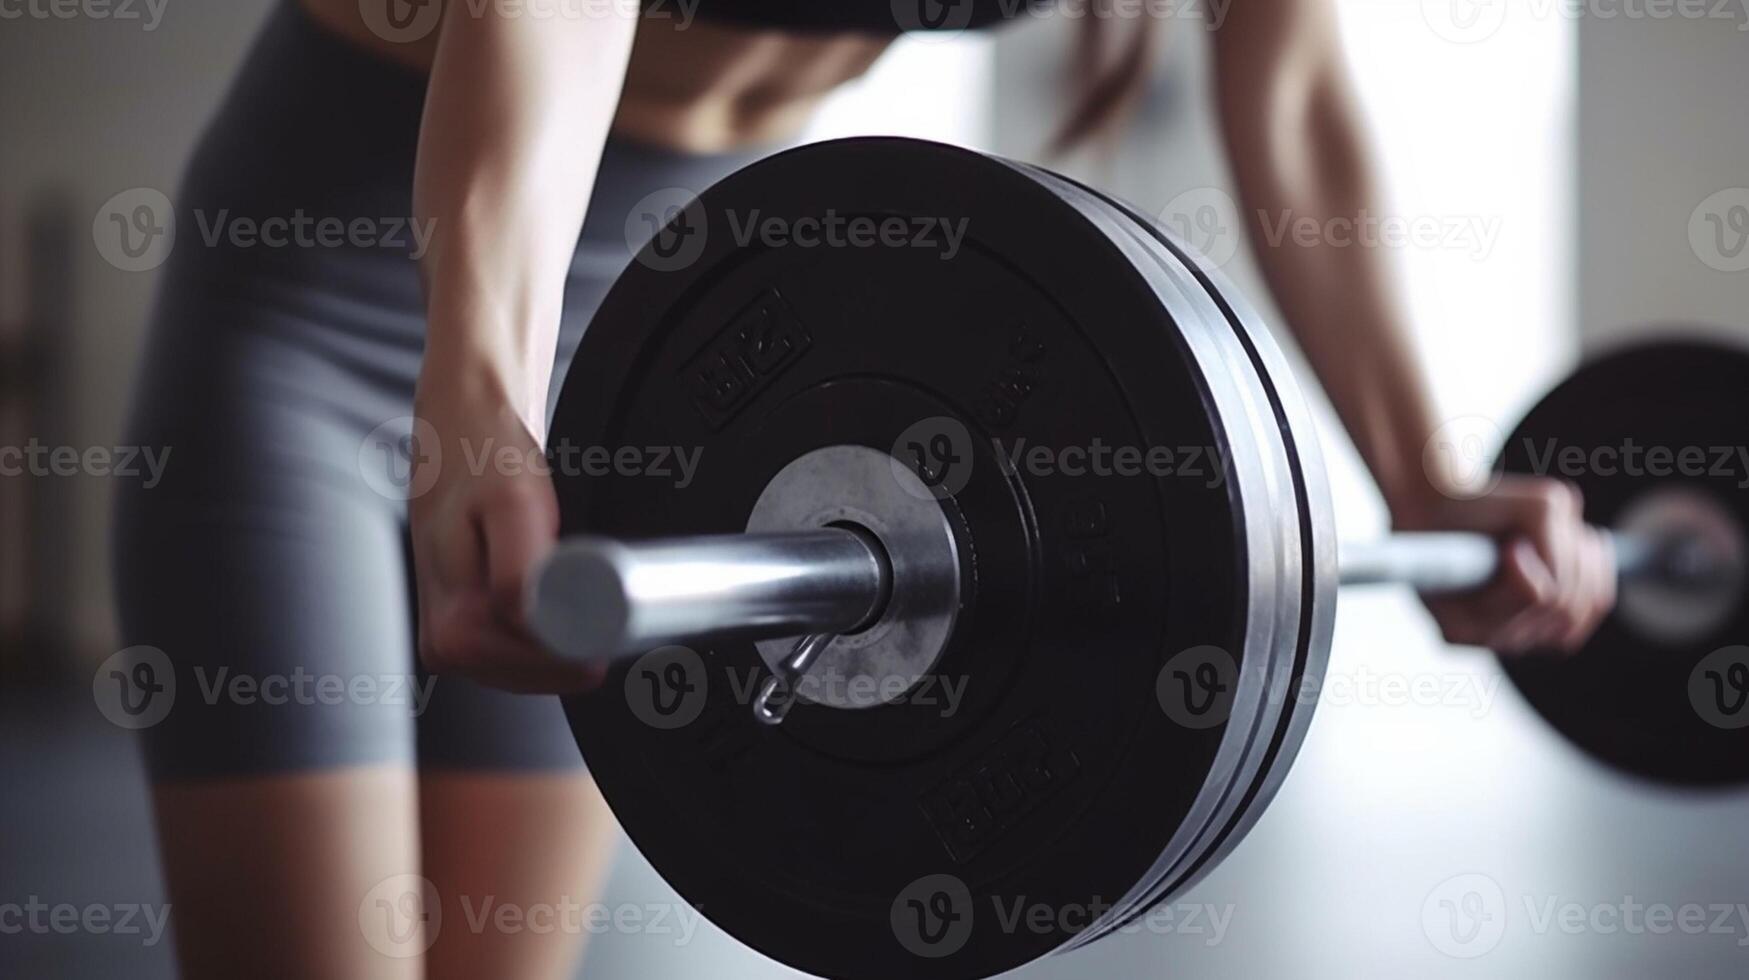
1266, 51
523, 87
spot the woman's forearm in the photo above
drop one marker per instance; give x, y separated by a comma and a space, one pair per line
516, 115
1299, 153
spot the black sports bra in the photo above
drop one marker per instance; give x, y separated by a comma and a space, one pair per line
868, 16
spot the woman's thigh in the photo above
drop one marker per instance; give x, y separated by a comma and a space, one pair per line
262, 561
267, 573
266, 563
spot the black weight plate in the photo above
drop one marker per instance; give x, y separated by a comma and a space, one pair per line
1252, 720
1060, 782
1277, 639
1317, 535
1642, 705
1315, 531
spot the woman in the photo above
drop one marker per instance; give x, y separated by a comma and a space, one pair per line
295, 835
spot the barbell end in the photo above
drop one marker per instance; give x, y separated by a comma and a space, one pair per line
576, 602
599, 599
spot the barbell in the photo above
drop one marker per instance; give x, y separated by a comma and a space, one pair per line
600, 599
1009, 563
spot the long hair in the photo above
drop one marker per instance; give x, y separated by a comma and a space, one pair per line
1108, 73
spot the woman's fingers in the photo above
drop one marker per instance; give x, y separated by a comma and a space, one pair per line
1500, 612
1597, 585
1516, 604
474, 639
1547, 514
518, 528
1556, 580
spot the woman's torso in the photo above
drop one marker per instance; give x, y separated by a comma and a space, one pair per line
693, 85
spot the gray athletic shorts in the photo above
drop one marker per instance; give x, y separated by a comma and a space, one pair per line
269, 560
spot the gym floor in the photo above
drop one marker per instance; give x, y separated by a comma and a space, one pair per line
1394, 797
1425, 780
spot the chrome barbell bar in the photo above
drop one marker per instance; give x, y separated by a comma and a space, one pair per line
601, 599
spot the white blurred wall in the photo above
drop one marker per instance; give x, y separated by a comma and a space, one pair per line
1663, 187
